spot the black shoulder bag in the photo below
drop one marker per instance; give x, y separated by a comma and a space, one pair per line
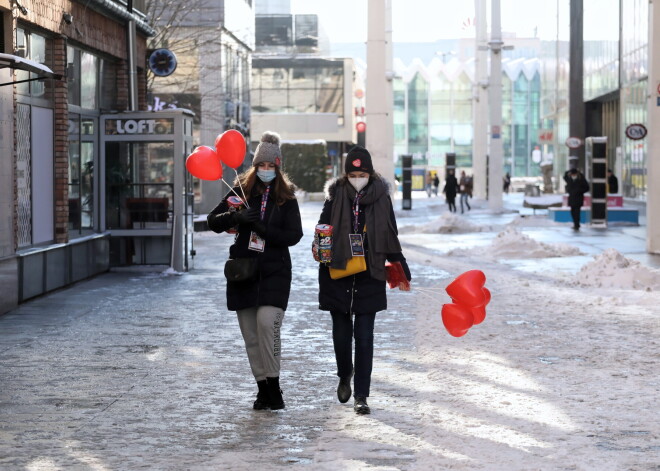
241, 269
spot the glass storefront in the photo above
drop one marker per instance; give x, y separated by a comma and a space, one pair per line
631, 169
418, 118
601, 47
91, 82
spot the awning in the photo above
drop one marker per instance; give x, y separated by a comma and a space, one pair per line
19, 63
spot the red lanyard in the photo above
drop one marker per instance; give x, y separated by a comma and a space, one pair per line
264, 201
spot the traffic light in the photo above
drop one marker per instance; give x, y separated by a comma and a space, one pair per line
361, 128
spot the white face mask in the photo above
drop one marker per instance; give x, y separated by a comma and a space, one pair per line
358, 183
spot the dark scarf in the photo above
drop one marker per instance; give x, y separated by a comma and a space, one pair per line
381, 232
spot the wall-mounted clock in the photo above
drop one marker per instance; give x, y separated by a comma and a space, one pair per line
162, 62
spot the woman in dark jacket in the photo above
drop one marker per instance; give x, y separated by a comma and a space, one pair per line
266, 229
450, 190
576, 187
359, 204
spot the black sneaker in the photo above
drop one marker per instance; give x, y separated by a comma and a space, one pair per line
360, 406
344, 389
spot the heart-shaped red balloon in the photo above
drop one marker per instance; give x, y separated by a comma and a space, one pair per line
230, 146
457, 319
479, 314
487, 294
467, 290
204, 164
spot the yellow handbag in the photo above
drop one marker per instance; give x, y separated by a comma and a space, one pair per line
353, 266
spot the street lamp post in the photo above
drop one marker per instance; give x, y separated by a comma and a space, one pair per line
495, 99
480, 97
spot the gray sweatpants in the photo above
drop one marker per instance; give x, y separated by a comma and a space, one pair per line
260, 327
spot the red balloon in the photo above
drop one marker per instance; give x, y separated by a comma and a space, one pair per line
204, 164
457, 319
479, 314
467, 288
230, 146
487, 293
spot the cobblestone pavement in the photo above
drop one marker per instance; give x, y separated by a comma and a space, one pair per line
138, 370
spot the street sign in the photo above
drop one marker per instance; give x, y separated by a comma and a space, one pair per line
573, 142
546, 136
636, 131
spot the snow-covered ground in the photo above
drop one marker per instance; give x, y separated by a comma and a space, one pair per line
141, 370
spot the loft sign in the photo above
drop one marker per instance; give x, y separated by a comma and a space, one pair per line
139, 126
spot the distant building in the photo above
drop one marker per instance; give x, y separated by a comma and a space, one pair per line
433, 112
297, 91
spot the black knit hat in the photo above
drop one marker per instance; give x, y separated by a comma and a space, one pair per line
358, 159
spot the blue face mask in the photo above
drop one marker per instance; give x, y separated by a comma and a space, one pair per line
266, 176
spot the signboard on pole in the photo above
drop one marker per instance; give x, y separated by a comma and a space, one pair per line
573, 142
546, 136
636, 131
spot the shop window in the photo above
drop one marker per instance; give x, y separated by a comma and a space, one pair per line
34, 47
91, 80
82, 131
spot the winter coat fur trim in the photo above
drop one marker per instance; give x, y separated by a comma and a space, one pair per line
330, 186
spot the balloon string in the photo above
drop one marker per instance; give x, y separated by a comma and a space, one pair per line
234, 191
428, 295
240, 186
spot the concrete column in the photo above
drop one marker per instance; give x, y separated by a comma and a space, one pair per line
653, 157
495, 98
379, 96
480, 96
576, 111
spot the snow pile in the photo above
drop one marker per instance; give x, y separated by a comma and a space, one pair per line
448, 223
610, 269
513, 244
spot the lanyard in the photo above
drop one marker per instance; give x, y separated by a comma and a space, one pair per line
264, 201
356, 212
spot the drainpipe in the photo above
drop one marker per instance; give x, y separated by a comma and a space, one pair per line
132, 52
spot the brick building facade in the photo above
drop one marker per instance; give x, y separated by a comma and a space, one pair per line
49, 136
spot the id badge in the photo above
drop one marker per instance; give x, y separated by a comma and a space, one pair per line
256, 242
357, 245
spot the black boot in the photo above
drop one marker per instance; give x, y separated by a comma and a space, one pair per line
262, 402
275, 394
344, 389
360, 406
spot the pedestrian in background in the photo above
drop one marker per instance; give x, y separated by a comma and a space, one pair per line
506, 182
450, 190
612, 182
576, 187
465, 187
359, 209
429, 184
259, 270
436, 184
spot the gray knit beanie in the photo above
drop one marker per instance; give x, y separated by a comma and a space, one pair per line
268, 150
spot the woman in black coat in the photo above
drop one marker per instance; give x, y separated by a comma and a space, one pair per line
450, 190
266, 230
576, 187
359, 204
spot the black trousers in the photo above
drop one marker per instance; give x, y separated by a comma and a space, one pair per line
575, 214
451, 202
344, 329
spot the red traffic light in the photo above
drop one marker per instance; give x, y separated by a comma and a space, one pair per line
361, 126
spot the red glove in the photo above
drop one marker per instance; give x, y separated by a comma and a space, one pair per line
396, 277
